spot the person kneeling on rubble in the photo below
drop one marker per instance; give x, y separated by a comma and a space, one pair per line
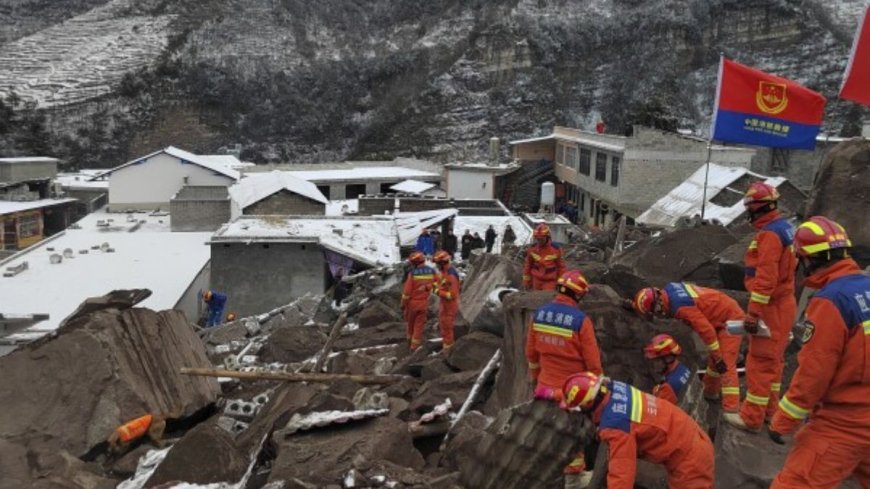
636, 425
662, 351
448, 291
420, 283
706, 311
152, 425
561, 341
831, 386
215, 302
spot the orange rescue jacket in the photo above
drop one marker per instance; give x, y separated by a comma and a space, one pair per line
135, 429
448, 286
638, 425
704, 310
419, 284
560, 342
770, 261
544, 263
832, 383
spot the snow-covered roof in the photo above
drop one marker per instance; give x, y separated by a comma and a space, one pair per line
617, 145
29, 159
148, 257
686, 198
8, 207
335, 207
411, 224
365, 173
370, 240
215, 163
258, 186
82, 179
412, 186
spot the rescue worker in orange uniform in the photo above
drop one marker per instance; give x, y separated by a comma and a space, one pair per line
637, 425
705, 311
770, 275
561, 340
544, 264
831, 386
448, 292
419, 284
663, 351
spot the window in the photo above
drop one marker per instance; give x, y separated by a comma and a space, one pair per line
585, 158
560, 154
571, 157
29, 226
582, 201
614, 171
601, 167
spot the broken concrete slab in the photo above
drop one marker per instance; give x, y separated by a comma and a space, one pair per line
487, 273
731, 267
842, 193
385, 334
453, 386
464, 437
102, 369
289, 344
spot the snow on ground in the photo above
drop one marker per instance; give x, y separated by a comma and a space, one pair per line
479, 224
146, 255
337, 207
82, 179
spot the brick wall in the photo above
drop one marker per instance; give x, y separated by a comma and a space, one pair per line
198, 215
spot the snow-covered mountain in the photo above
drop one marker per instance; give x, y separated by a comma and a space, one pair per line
335, 79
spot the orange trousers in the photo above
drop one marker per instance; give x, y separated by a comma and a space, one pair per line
728, 383
819, 459
540, 284
765, 362
415, 318
695, 469
446, 321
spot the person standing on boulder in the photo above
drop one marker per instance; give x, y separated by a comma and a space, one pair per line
215, 302
637, 425
706, 311
419, 284
489, 237
770, 275
831, 386
663, 351
561, 341
544, 263
448, 292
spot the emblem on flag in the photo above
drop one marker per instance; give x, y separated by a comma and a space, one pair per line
772, 98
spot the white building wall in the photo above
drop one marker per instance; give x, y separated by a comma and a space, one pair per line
464, 184
152, 183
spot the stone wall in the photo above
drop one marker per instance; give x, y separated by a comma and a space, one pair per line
285, 203
200, 208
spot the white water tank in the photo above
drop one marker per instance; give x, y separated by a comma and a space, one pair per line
548, 194
866, 131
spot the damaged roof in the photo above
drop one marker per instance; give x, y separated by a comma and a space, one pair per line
686, 198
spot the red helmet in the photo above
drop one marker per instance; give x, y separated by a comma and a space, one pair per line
441, 256
661, 346
759, 195
541, 231
575, 282
580, 391
231, 317
820, 234
206, 296
417, 258
645, 301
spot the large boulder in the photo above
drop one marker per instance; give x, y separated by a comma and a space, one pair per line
205, 454
676, 255
289, 344
473, 351
842, 193
47, 469
104, 367
731, 267
375, 313
488, 273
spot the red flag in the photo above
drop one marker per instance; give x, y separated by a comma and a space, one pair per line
856, 82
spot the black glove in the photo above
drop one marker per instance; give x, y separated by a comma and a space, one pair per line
720, 366
750, 323
776, 437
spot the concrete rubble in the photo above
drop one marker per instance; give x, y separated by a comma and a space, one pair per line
456, 419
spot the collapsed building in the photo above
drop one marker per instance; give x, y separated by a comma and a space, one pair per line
314, 393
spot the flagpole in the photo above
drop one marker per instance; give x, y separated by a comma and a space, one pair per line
706, 179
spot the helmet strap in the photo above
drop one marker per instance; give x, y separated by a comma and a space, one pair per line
761, 211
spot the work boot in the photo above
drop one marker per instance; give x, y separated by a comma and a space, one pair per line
578, 481
735, 420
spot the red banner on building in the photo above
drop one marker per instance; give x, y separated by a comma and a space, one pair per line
856, 82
